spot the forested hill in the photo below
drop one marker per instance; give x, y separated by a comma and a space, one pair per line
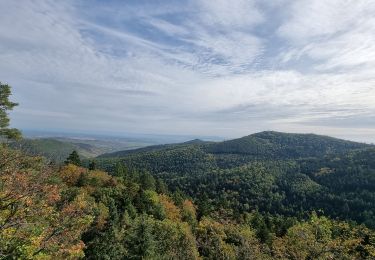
264, 144
55, 150
275, 173
71, 212
284, 145
153, 148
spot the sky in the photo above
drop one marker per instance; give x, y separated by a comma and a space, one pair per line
191, 67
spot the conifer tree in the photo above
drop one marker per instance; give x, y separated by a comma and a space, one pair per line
73, 158
140, 241
92, 165
5, 106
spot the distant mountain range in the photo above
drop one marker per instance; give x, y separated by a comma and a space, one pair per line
56, 146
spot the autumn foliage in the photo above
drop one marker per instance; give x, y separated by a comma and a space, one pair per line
70, 212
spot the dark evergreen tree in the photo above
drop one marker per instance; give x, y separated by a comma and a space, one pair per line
119, 169
92, 165
147, 181
161, 187
178, 197
204, 207
140, 241
73, 158
5, 106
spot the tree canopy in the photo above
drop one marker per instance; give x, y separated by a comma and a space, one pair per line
73, 158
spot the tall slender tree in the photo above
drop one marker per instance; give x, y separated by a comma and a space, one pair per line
5, 106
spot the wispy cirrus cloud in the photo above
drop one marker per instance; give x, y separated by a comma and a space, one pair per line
198, 67
335, 34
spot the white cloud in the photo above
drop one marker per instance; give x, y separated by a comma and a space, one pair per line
309, 19
230, 14
201, 72
335, 34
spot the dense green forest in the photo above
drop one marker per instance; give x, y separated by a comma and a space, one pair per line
71, 212
274, 173
265, 196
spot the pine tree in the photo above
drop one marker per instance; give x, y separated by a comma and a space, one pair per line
204, 207
140, 241
5, 106
73, 158
147, 181
92, 165
161, 187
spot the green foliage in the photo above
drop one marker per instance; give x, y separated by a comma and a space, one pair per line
321, 238
124, 217
92, 165
147, 181
218, 241
5, 106
283, 145
53, 150
57, 149
36, 219
276, 173
140, 240
73, 158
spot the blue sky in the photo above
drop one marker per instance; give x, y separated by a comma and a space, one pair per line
222, 68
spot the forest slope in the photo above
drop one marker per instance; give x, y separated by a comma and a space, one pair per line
276, 173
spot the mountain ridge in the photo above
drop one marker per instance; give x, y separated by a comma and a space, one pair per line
266, 142
273, 172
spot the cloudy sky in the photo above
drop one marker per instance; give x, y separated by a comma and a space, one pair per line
197, 67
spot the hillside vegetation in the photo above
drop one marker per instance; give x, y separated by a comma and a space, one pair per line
275, 173
71, 212
283, 145
53, 149
57, 149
